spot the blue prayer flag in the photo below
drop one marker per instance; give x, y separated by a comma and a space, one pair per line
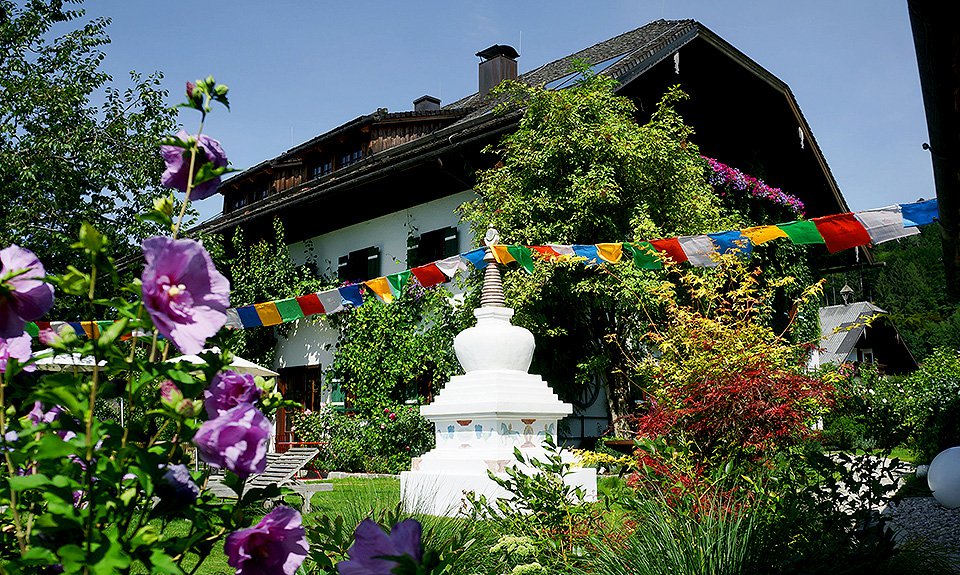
730, 241
920, 213
249, 316
351, 295
587, 251
475, 257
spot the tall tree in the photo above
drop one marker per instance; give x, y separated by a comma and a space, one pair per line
581, 170
73, 147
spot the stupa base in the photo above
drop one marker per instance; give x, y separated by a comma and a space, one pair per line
444, 494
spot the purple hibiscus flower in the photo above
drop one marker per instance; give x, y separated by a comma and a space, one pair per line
17, 348
371, 545
278, 544
38, 416
228, 390
178, 486
177, 160
236, 440
186, 296
23, 294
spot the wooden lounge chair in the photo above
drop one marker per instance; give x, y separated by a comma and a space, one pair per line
282, 470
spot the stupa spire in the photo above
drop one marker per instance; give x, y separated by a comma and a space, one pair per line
492, 293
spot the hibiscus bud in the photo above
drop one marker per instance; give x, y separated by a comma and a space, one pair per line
170, 394
221, 90
164, 205
191, 87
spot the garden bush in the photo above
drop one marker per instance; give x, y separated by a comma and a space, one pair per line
382, 443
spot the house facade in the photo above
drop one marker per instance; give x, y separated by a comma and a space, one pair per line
394, 179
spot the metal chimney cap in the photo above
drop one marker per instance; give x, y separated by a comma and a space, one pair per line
498, 50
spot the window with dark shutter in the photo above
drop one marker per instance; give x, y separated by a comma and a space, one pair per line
432, 246
359, 265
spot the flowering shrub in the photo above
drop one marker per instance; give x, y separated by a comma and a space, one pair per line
85, 494
382, 443
722, 175
726, 393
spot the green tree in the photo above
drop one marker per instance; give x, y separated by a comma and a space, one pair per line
580, 169
387, 353
64, 158
259, 272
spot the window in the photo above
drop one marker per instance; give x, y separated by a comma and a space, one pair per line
236, 201
866, 355
351, 157
359, 265
432, 246
322, 169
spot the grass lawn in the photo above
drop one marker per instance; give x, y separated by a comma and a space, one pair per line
353, 498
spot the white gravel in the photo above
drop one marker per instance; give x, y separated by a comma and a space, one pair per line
926, 522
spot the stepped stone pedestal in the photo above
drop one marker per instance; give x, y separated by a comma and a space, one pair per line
482, 416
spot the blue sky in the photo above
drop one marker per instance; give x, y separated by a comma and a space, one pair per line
297, 69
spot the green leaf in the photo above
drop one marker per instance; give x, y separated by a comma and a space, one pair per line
110, 335
91, 240
51, 446
23, 482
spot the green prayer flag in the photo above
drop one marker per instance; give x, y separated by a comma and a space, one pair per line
397, 281
802, 232
523, 256
289, 309
644, 255
103, 326
31, 328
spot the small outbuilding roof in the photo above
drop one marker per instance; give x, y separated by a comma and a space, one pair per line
841, 327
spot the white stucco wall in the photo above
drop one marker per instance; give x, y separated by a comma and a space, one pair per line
311, 340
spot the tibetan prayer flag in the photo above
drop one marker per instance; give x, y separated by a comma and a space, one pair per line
310, 304
610, 252
268, 313
841, 232
587, 251
546, 252
732, 241
562, 250
429, 275
920, 213
802, 232
348, 295
523, 256
885, 224
644, 255
381, 287
289, 309
763, 234
397, 281
670, 247
475, 257
331, 300
233, 319
101, 326
249, 316
450, 266
90, 329
698, 250
77, 328
501, 254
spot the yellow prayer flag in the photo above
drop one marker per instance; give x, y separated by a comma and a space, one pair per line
762, 234
501, 254
268, 313
381, 287
91, 329
610, 252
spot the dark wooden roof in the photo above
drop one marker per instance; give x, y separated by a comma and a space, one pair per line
744, 115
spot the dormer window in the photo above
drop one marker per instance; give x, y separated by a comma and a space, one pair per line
432, 246
351, 157
322, 169
359, 265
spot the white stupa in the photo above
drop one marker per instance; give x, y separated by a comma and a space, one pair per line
482, 416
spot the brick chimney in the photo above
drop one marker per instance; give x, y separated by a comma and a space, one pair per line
426, 104
498, 63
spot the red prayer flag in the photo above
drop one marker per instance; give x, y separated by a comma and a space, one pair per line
672, 247
547, 252
842, 231
429, 275
310, 304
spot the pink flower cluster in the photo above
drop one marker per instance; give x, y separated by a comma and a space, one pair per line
722, 175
